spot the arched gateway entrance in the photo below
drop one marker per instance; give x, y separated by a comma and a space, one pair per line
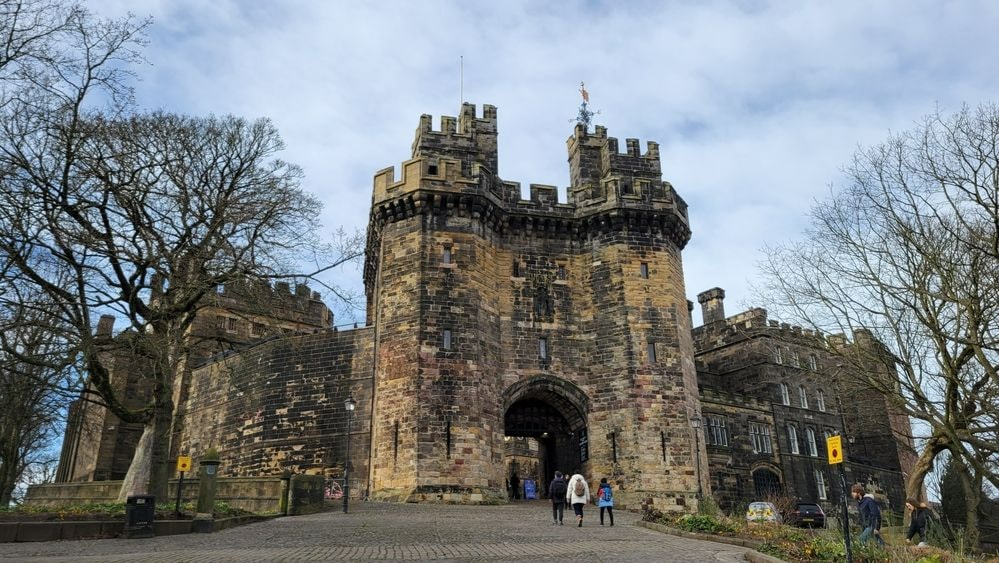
545, 431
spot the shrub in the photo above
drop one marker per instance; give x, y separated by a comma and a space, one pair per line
704, 524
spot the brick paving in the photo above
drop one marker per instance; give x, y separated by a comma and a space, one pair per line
394, 532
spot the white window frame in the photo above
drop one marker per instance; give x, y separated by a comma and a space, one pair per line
820, 485
813, 449
820, 400
792, 439
795, 359
813, 364
785, 395
802, 397
778, 355
760, 437
716, 432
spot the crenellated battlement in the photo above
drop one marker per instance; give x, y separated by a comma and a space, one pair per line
468, 139
458, 162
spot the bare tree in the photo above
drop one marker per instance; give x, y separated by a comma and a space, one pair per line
108, 211
907, 251
33, 376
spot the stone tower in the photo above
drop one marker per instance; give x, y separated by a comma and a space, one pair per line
496, 317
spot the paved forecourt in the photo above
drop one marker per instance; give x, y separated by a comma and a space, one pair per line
401, 532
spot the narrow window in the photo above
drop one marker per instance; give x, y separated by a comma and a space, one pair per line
230, 325
447, 339
760, 435
820, 400
813, 450
561, 273
395, 443
645, 270
516, 268
785, 395
717, 433
778, 355
220, 322
543, 348
446, 258
447, 436
820, 485
614, 446
662, 442
802, 397
650, 351
792, 439
813, 364
795, 359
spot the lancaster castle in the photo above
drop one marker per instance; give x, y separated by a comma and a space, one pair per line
510, 336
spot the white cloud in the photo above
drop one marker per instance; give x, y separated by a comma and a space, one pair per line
756, 104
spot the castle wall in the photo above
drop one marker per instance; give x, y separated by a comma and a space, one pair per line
279, 406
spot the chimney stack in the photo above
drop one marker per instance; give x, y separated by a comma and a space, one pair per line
712, 305
105, 326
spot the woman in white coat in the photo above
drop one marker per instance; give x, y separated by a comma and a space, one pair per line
578, 496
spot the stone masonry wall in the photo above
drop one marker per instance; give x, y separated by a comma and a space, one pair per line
481, 278
280, 406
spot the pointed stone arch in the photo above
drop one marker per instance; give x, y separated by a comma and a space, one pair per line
562, 395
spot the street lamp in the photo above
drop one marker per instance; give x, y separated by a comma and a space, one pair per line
695, 423
349, 404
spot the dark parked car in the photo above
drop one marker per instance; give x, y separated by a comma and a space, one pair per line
807, 515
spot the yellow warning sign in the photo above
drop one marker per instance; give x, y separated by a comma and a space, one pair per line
183, 463
834, 445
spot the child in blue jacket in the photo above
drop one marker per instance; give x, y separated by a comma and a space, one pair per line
605, 500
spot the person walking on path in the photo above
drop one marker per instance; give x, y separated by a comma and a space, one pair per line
515, 486
870, 515
917, 522
605, 500
557, 491
578, 495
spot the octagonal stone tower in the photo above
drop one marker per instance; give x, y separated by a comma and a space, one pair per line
497, 317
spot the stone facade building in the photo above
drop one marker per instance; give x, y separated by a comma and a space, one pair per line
773, 393
507, 333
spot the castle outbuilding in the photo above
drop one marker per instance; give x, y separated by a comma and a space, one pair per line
508, 336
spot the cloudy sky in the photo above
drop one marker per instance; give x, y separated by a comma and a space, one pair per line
757, 105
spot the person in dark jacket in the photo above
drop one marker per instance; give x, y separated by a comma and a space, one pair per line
870, 515
917, 522
557, 490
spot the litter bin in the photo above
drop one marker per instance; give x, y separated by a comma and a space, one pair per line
139, 513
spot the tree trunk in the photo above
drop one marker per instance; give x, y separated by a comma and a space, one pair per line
162, 422
972, 498
924, 464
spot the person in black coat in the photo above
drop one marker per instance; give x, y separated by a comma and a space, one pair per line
870, 515
918, 521
557, 490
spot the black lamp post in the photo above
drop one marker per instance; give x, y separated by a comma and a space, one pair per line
349, 404
695, 423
